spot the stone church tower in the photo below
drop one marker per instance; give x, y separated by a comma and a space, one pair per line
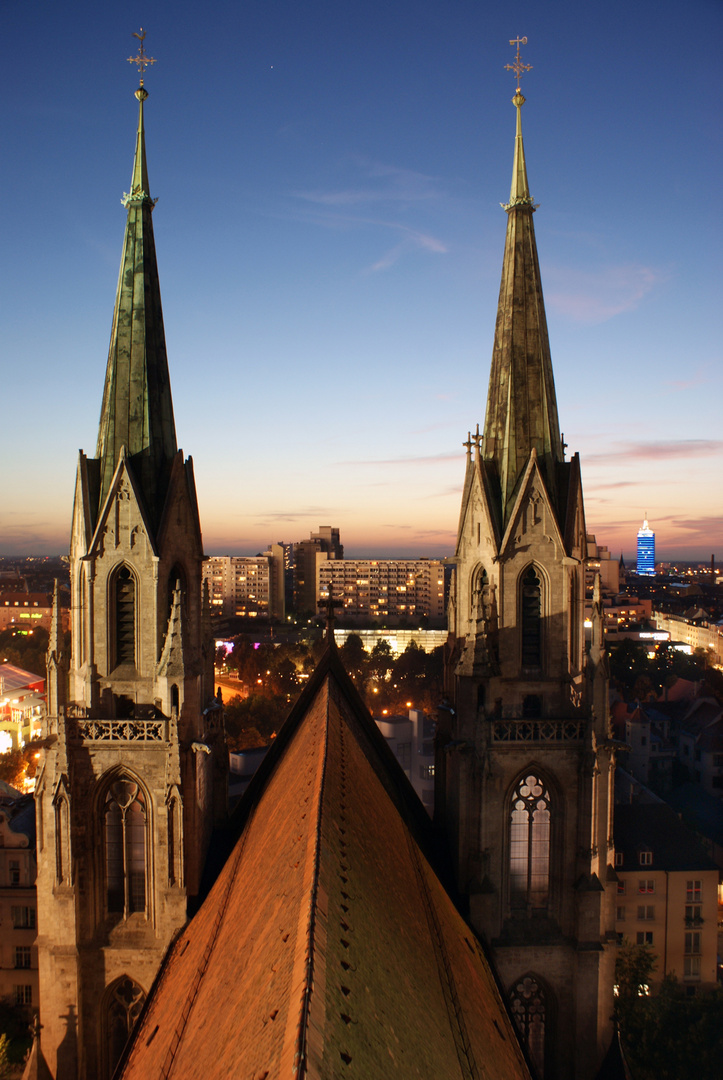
525, 761
134, 771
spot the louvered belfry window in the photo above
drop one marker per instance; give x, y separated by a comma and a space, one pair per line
125, 617
531, 621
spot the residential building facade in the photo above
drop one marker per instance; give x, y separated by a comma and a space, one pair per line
385, 590
667, 894
18, 950
250, 586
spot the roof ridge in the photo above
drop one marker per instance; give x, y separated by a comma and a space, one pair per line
300, 1058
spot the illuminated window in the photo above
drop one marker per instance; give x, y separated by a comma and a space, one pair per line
125, 848
530, 844
529, 1009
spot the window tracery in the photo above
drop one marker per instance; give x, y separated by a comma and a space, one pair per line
125, 848
529, 1009
124, 1006
530, 843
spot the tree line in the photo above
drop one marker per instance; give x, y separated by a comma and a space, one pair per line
271, 676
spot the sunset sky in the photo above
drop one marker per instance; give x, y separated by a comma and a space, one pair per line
330, 240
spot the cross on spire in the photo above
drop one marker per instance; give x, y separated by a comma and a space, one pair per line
518, 67
141, 60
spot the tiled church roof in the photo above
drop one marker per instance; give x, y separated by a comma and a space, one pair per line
327, 946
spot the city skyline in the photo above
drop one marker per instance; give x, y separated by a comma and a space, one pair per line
330, 242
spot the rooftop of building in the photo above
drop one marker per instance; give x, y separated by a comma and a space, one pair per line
657, 829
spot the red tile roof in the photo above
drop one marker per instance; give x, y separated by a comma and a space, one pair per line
328, 944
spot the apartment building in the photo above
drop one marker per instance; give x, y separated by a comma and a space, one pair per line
18, 951
667, 893
389, 590
698, 633
247, 585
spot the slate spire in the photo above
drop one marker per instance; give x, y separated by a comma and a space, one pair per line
137, 410
521, 405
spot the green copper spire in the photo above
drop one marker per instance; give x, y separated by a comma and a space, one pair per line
137, 409
521, 405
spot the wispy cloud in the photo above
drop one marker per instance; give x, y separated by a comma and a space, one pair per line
431, 459
381, 185
411, 240
281, 516
592, 297
698, 378
658, 451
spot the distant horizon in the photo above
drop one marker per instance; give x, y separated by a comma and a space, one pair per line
352, 552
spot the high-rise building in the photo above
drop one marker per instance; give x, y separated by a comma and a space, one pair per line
247, 585
135, 765
525, 761
386, 591
308, 554
646, 550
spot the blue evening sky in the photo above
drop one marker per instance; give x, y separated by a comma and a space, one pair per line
330, 239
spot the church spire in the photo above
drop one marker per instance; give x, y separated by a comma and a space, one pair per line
137, 410
521, 405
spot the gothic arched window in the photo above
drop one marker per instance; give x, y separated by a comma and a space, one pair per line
123, 1007
529, 1008
530, 844
125, 617
125, 848
531, 623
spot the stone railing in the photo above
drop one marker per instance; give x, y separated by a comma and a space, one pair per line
538, 730
89, 730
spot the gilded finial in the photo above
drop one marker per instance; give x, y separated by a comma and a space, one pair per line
518, 67
141, 60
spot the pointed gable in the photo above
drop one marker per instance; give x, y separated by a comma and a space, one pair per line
327, 942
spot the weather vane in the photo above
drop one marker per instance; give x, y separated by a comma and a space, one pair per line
518, 67
142, 60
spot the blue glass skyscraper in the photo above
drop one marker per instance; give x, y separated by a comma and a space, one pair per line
646, 550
